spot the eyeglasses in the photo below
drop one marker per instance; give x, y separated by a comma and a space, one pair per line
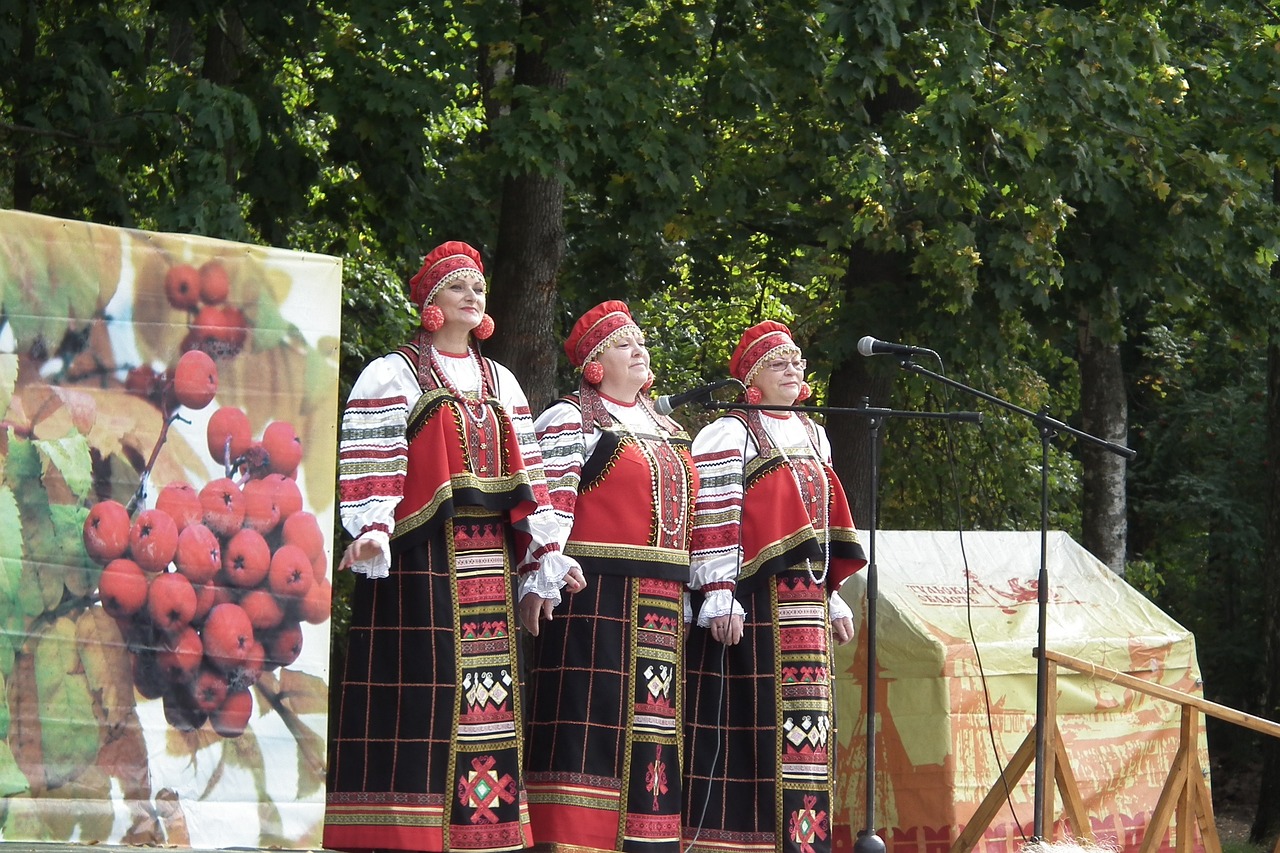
782, 364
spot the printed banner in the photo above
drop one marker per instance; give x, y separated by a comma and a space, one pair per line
168, 412
956, 691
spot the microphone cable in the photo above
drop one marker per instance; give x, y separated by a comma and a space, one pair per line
952, 467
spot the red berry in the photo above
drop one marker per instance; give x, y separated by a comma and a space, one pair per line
171, 602
232, 718
288, 495
228, 636
260, 510
263, 609
315, 605
180, 709
199, 554
284, 448
302, 529
210, 690
195, 379
284, 647
153, 540
206, 597
290, 575
122, 589
106, 531
143, 381
215, 284
179, 659
223, 504
222, 329
229, 434
182, 286
182, 502
246, 559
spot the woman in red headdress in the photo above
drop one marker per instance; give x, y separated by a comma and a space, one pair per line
441, 485
603, 762
772, 543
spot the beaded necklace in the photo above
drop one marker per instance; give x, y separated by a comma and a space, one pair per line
651, 456
592, 403
474, 406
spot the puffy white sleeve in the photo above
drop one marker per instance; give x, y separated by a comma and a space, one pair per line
720, 452
565, 450
543, 566
373, 455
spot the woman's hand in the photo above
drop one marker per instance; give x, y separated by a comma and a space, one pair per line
533, 609
357, 552
727, 629
843, 630
574, 580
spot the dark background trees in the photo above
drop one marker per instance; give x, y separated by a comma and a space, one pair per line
1075, 203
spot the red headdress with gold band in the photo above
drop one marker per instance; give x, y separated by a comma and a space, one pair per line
596, 329
758, 344
444, 263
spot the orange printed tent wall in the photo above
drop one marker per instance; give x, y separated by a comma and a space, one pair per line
168, 410
934, 756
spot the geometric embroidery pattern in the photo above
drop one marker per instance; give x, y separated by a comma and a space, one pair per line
480, 788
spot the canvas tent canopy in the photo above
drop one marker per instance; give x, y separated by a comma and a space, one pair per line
942, 640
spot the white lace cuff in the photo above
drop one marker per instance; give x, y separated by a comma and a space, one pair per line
379, 565
547, 581
838, 608
719, 602
687, 605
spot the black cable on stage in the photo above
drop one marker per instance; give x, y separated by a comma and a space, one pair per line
968, 611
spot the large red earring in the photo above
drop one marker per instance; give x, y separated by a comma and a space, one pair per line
593, 372
754, 396
485, 330
648, 383
432, 318
805, 392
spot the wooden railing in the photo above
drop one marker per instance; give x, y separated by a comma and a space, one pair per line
1184, 798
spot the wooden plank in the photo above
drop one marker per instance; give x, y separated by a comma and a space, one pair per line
996, 797
1177, 697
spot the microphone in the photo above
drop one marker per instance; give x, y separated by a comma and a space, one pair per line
870, 346
668, 403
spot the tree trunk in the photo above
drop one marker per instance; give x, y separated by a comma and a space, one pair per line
530, 237
855, 382
1104, 412
24, 183
1266, 818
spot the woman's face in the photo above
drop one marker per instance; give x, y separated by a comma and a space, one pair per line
626, 367
779, 378
462, 300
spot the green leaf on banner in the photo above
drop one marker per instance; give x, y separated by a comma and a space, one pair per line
23, 465
12, 780
8, 378
84, 264
79, 572
7, 652
108, 666
70, 735
269, 328
70, 455
11, 554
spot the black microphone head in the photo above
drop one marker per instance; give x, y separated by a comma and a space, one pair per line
866, 345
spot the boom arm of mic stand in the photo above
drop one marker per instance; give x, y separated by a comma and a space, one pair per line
1043, 421
864, 411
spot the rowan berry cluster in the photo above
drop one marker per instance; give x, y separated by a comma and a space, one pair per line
211, 585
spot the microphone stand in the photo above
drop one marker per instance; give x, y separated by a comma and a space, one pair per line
1048, 428
868, 841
